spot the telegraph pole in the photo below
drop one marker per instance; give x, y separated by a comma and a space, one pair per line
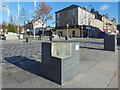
34, 21
18, 18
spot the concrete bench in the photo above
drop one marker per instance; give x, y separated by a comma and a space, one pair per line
60, 61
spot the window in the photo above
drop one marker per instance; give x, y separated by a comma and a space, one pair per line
58, 15
73, 22
73, 12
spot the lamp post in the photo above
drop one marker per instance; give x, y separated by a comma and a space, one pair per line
82, 31
88, 28
34, 29
67, 32
42, 31
89, 21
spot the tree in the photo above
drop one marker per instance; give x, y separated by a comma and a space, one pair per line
4, 26
23, 16
42, 12
12, 28
13, 20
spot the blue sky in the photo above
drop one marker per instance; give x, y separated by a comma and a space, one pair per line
103, 7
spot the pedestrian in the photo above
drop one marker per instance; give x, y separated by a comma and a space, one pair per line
39, 33
59, 34
50, 35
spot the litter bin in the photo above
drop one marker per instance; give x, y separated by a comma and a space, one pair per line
66, 38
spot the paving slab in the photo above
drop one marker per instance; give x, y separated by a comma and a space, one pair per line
114, 81
98, 67
22, 76
39, 82
93, 78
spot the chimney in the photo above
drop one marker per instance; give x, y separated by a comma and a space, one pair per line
97, 12
83, 8
114, 19
92, 10
106, 15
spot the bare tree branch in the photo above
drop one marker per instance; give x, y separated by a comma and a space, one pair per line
43, 12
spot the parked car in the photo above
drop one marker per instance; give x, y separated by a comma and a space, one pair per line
101, 35
3, 37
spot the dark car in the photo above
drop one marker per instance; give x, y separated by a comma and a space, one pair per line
101, 35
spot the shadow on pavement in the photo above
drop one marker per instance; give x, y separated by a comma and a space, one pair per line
26, 64
92, 42
92, 48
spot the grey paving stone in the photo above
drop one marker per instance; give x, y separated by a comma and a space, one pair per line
6, 80
91, 79
39, 83
114, 82
22, 76
97, 66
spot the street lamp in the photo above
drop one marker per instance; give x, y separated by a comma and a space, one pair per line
42, 30
82, 31
88, 27
89, 21
34, 28
67, 31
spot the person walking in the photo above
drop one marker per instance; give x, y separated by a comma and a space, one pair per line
59, 34
39, 33
51, 35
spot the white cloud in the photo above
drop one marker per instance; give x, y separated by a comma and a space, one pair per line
104, 7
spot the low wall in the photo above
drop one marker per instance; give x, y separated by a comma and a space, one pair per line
11, 35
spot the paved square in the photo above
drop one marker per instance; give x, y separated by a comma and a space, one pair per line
21, 66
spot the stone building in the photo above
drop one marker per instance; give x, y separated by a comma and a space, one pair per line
82, 22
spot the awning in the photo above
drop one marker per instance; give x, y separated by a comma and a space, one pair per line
100, 30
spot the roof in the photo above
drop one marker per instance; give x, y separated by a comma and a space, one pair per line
69, 7
73, 6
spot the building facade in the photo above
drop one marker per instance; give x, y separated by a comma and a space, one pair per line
118, 28
82, 22
37, 25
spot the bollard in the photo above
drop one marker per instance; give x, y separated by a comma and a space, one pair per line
28, 39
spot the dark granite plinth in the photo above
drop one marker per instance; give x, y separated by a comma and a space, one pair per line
110, 43
60, 68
